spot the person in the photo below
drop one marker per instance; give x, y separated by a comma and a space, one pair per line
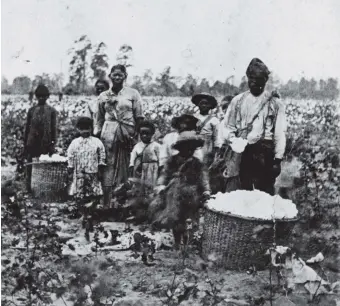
86, 162
207, 126
41, 130
91, 109
144, 161
179, 124
226, 102
259, 117
118, 118
30, 96
60, 96
184, 186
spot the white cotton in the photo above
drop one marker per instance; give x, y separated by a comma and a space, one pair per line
53, 158
253, 204
238, 144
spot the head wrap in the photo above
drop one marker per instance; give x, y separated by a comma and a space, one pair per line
42, 91
257, 68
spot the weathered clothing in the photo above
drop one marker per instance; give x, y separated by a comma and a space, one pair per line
167, 151
41, 129
145, 160
256, 167
270, 124
186, 180
85, 155
208, 129
116, 122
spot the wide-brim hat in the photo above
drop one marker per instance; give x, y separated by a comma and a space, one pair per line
190, 118
204, 95
188, 138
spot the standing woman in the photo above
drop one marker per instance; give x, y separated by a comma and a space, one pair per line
118, 117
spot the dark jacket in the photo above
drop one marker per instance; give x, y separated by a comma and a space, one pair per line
41, 130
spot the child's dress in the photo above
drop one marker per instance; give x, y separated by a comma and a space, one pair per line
85, 155
145, 160
186, 180
207, 128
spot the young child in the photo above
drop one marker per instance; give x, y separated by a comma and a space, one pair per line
86, 159
180, 124
183, 184
207, 126
144, 160
41, 130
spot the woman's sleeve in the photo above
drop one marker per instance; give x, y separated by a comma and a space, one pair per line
133, 156
137, 106
102, 154
54, 126
100, 118
28, 125
71, 155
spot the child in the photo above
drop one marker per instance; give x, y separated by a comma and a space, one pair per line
86, 159
144, 161
183, 183
179, 124
41, 130
207, 126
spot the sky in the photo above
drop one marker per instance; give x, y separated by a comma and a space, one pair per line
211, 39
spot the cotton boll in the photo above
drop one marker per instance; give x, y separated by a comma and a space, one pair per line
254, 204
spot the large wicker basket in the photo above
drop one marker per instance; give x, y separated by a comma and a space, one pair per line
49, 181
239, 242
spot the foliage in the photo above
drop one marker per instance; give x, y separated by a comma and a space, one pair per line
99, 63
124, 55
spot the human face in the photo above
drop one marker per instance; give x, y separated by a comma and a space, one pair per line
184, 125
186, 150
85, 132
145, 134
42, 99
204, 106
256, 85
100, 87
117, 77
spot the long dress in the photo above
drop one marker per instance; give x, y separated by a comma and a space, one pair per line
208, 129
116, 123
85, 155
145, 160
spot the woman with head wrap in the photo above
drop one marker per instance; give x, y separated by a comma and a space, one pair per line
259, 117
119, 113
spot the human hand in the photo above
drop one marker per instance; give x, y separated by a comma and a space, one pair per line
276, 167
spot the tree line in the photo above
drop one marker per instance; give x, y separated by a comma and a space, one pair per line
89, 62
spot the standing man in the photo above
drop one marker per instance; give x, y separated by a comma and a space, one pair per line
259, 117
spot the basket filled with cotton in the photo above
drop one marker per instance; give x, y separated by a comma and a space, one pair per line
241, 225
49, 178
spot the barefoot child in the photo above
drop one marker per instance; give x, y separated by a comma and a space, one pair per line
184, 184
86, 159
41, 130
207, 126
144, 161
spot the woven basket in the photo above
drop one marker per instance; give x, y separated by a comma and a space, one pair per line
240, 242
49, 181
